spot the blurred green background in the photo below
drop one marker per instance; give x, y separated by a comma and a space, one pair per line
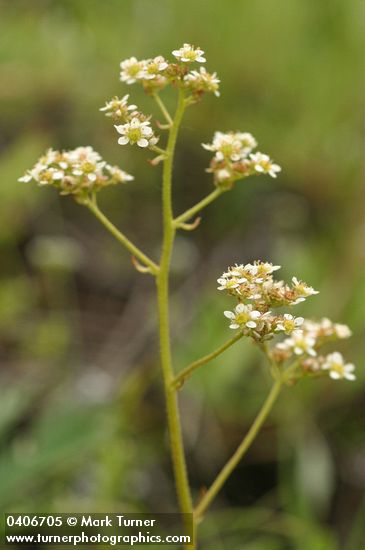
82, 423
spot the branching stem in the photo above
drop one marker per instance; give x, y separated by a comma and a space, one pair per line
158, 150
198, 207
133, 249
239, 453
163, 109
182, 377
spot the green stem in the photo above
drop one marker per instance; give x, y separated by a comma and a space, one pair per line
182, 376
93, 207
199, 206
162, 280
158, 150
163, 109
239, 453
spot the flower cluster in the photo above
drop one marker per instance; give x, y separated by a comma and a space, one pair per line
156, 73
312, 336
136, 127
305, 346
119, 109
255, 283
152, 73
79, 172
201, 81
258, 293
234, 160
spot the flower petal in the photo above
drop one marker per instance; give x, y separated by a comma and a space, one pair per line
123, 140
255, 314
142, 142
229, 314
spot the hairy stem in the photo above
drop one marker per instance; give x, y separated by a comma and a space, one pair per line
133, 249
182, 376
198, 207
239, 453
162, 280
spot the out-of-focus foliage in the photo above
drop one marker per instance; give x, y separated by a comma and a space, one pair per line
81, 416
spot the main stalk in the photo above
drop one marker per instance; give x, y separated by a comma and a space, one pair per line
162, 280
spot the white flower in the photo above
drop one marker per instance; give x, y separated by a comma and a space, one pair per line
188, 54
299, 343
264, 165
83, 155
342, 331
223, 175
46, 176
136, 131
85, 161
226, 283
154, 67
261, 268
50, 157
323, 328
289, 323
132, 70
203, 81
232, 145
334, 362
41, 172
235, 271
118, 107
302, 289
118, 175
248, 142
243, 315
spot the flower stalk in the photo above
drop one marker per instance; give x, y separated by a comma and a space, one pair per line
239, 453
185, 374
188, 214
133, 249
164, 111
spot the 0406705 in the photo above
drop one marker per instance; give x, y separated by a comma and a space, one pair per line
33, 521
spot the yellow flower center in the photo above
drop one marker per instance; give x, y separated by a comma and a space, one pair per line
47, 175
231, 284
88, 167
152, 68
133, 70
190, 54
338, 367
242, 318
289, 325
134, 134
